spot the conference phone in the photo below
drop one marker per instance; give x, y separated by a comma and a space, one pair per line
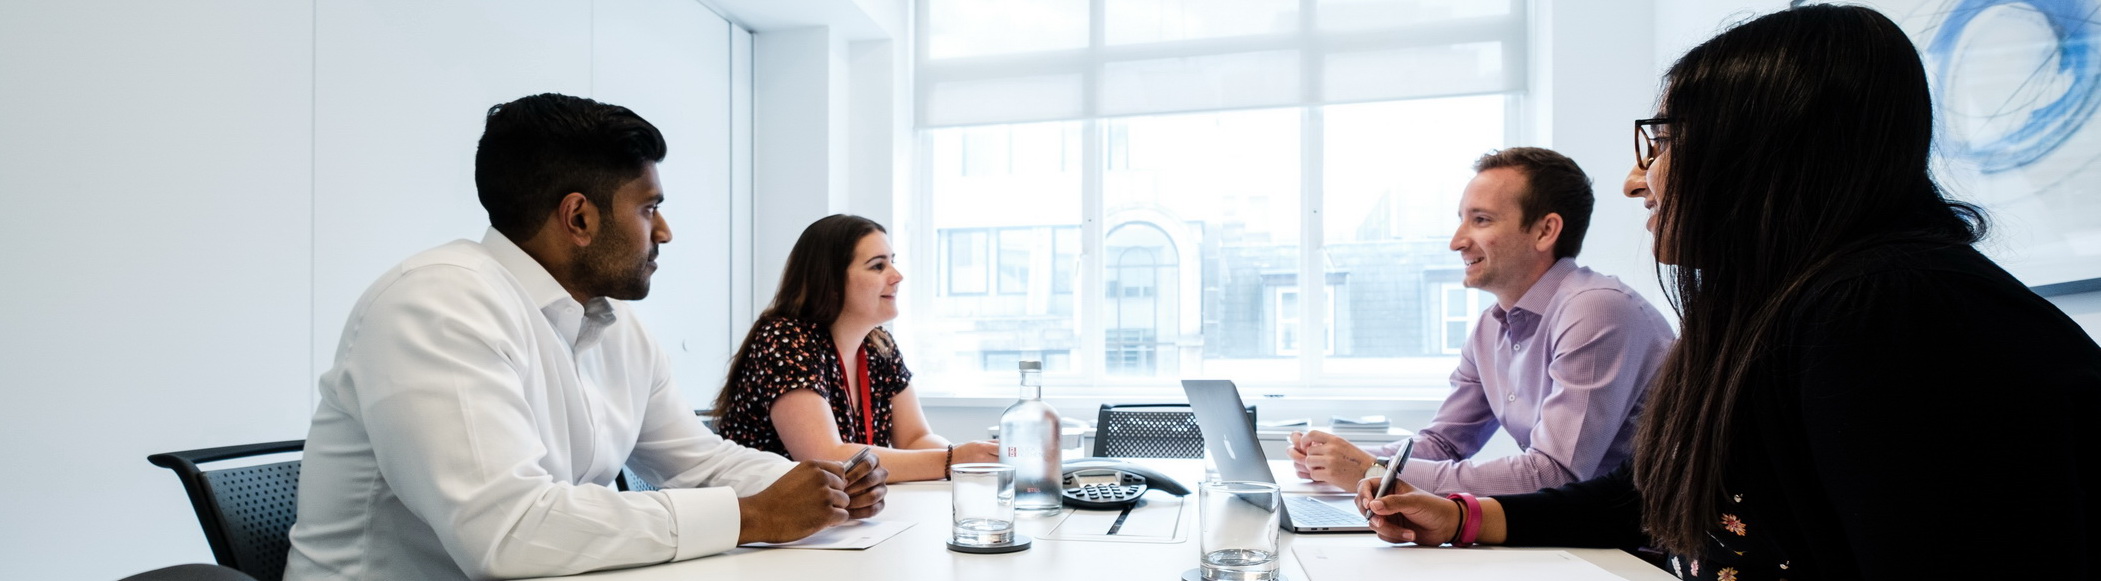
1110, 484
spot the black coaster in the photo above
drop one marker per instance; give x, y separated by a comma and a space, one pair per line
1020, 543
1197, 574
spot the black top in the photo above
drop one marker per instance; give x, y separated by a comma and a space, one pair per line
791, 354
1932, 425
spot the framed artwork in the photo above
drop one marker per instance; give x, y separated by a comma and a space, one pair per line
2016, 85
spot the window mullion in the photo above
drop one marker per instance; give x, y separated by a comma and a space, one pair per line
1312, 284
1088, 290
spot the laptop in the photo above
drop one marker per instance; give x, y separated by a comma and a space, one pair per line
1230, 438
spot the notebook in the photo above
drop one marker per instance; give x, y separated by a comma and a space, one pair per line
1230, 438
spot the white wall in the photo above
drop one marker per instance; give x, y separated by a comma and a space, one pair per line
1591, 77
799, 159
669, 61
156, 167
198, 191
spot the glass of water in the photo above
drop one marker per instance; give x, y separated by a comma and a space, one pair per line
984, 504
1239, 529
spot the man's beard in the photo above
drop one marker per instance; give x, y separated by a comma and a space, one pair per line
603, 269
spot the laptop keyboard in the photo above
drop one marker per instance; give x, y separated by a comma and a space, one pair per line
1307, 512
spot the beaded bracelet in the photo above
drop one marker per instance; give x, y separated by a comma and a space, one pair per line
947, 465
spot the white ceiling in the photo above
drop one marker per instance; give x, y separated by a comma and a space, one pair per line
853, 19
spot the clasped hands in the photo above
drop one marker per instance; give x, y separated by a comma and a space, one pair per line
813, 495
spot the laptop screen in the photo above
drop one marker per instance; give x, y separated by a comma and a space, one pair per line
1228, 435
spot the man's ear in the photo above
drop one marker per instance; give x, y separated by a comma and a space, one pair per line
578, 218
1546, 232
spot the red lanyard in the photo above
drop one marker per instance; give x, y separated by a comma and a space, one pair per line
867, 395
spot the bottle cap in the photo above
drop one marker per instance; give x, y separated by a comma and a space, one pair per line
1032, 366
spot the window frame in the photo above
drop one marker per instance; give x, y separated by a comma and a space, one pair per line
1088, 374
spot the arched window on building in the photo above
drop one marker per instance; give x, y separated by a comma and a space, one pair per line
1142, 288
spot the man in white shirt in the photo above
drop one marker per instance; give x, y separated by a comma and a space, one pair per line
485, 394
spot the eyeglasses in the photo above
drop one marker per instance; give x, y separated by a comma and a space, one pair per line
1647, 145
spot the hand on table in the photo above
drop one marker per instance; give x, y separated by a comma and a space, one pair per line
978, 451
1328, 458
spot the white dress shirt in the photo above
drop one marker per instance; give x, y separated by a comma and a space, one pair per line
475, 418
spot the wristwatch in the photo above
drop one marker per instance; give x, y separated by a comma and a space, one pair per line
1379, 466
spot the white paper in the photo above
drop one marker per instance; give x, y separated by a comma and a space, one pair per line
1157, 520
1336, 563
860, 534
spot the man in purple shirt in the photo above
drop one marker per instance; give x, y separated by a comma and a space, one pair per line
1562, 361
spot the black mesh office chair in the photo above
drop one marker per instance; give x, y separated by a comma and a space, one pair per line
246, 512
629, 480
191, 572
1157, 430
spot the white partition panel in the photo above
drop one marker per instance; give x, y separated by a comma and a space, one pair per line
744, 307
668, 60
156, 179
402, 87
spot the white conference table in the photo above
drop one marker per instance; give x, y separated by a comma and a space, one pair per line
920, 553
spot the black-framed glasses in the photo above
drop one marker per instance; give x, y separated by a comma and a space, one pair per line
1647, 142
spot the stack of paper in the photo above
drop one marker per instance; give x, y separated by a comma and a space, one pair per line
1361, 423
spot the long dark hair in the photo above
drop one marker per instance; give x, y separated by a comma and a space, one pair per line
813, 287
1796, 138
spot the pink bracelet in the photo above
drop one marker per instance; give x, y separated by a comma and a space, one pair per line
1470, 529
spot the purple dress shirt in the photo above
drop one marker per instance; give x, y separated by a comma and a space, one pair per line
1565, 371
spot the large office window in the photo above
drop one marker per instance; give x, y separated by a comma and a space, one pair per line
1262, 190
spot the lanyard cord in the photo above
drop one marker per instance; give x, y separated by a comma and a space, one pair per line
867, 395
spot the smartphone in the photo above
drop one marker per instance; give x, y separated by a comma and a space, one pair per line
1393, 471
867, 453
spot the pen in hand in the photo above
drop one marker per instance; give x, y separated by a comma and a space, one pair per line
1393, 473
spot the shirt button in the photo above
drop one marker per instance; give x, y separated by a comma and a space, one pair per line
1513, 397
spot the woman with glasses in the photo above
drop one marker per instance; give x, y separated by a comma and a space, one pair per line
1855, 389
818, 378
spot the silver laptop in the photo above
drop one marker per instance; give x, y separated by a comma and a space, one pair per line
1230, 438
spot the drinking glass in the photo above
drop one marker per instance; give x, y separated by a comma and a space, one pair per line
1239, 530
984, 504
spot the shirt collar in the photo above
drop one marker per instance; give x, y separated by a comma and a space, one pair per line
579, 324
1543, 290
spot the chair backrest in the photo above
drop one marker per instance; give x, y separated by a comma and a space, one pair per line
191, 572
246, 512
1149, 431
627, 479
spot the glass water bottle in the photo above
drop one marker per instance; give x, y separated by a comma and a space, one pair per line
1028, 441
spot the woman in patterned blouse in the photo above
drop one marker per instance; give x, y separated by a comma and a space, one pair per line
818, 378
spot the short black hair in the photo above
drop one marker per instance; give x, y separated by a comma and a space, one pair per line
537, 149
1553, 185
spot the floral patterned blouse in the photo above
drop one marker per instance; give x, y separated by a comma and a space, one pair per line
1738, 549
790, 354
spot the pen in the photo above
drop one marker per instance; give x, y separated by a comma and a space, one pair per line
859, 457
1393, 472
